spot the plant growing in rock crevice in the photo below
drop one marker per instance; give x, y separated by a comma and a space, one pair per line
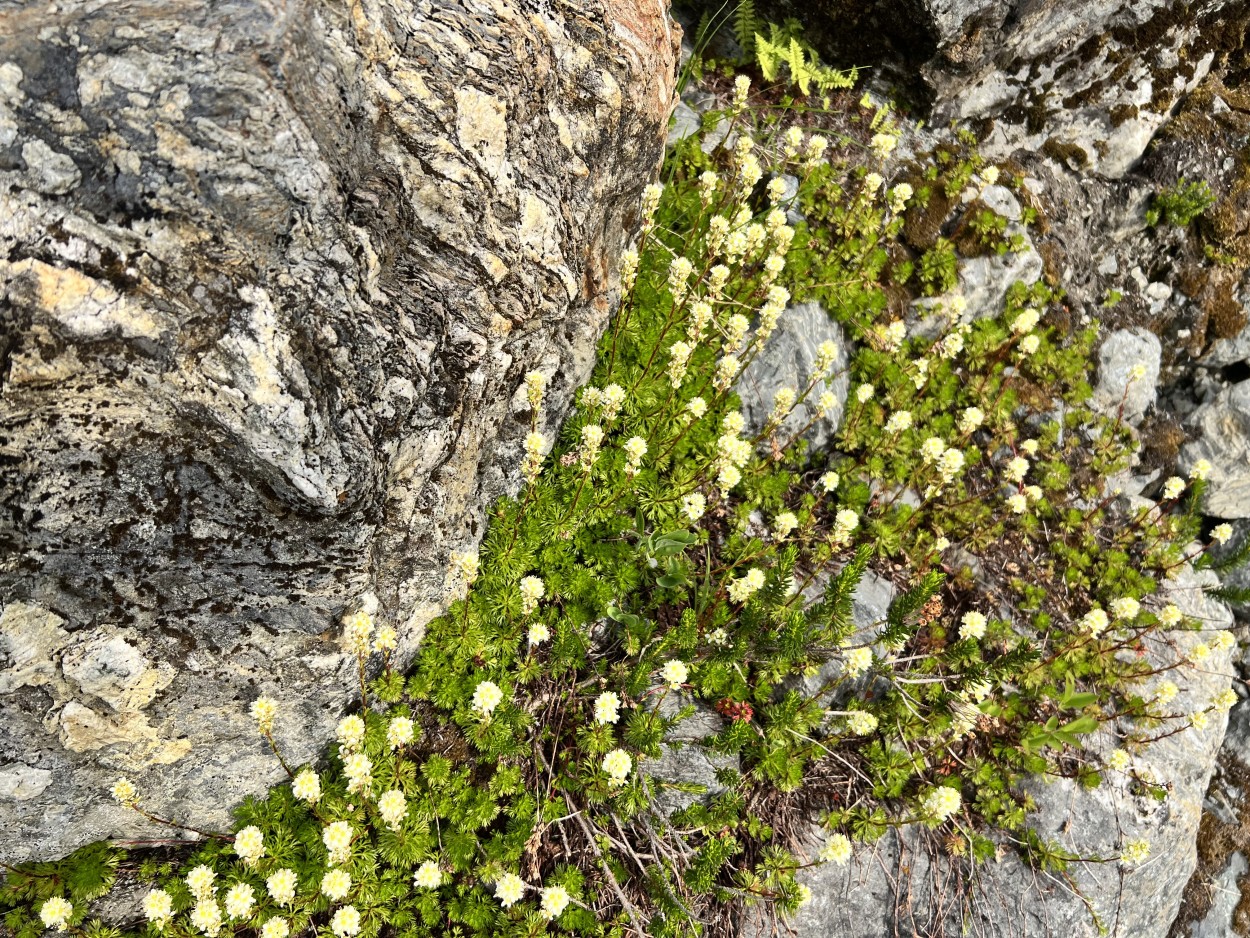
665, 559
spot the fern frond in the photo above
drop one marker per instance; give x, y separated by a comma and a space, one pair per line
746, 26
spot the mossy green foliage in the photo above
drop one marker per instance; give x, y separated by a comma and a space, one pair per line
1180, 204
686, 561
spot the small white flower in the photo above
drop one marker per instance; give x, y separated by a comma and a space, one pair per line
346, 922
200, 881
307, 786
617, 765
1173, 487
125, 793
970, 419
1221, 533
1135, 852
486, 697
1118, 760
972, 625
336, 884
281, 886
1029, 447
829, 481
350, 732
1018, 503
393, 806
249, 844
337, 837
55, 913
1200, 470
263, 710
857, 661
359, 771
1223, 640
743, 588
158, 908
1095, 622
883, 144
607, 707
941, 802
783, 524
428, 876
1030, 344
844, 522
1017, 469
899, 421
1026, 322
864, 393
538, 633
239, 900
1166, 693
1170, 615
675, 673
555, 899
206, 917
861, 722
837, 849
400, 731
1126, 607
509, 889
532, 590
951, 464
357, 630
276, 927
693, 506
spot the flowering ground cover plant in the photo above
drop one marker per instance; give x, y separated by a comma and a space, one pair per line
664, 558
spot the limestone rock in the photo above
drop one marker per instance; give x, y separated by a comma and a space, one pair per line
1221, 431
271, 275
1128, 373
786, 361
682, 761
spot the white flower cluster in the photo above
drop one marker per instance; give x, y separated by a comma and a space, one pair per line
747, 585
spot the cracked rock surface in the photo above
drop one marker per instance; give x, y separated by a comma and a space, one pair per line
271, 276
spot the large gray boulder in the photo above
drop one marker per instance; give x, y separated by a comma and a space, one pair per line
272, 274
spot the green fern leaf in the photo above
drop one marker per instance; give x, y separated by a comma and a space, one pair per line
746, 25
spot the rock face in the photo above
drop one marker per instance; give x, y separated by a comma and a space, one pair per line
787, 361
1090, 81
906, 884
1222, 430
272, 274
1128, 373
